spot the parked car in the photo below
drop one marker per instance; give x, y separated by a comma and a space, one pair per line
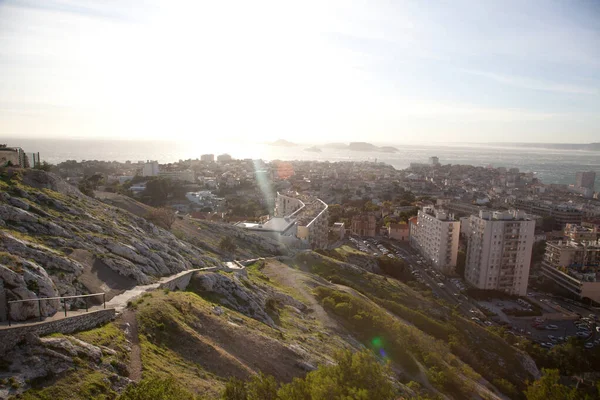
551, 327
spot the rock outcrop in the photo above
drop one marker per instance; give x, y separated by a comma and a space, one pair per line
44, 222
242, 295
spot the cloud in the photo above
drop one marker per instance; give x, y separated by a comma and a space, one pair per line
533, 84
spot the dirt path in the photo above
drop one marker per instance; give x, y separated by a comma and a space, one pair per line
135, 358
299, 281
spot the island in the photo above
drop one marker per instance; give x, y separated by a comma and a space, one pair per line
313, 149
283, 143
361, 146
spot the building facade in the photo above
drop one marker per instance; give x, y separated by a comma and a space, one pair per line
436, 237
364, 225
224, 158
499, 251
574, 266
150, 168
586, 179
338, 230
207, 157
399, 232
13, 156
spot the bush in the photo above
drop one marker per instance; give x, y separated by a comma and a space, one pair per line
355, 376
227, 245
163, 217
156, 389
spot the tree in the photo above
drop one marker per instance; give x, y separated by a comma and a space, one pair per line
262, 387
162, 217
227, 245
548, 387
355, 376
44, 166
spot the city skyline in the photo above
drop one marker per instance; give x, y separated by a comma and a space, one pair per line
402, 73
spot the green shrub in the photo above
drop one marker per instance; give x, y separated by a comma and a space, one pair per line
156, 389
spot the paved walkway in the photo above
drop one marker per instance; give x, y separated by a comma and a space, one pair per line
118, 302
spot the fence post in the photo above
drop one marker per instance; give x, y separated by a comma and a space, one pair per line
40, 307
8, 312
104, 299
86, 306
65, 306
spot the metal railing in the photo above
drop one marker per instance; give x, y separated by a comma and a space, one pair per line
64, 302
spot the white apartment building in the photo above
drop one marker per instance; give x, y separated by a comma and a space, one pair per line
150, 168
499, 251
436, 238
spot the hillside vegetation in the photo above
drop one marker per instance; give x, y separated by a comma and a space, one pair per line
305, 326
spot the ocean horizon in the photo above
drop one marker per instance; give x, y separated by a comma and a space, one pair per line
551, 165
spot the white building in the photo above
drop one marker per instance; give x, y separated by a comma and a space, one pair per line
499, 251
308, 215
150, 168
436, 237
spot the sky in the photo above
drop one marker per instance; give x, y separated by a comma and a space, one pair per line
305, 71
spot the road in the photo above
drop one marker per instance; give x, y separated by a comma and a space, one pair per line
448, 293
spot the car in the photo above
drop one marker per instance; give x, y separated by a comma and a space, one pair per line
588, 345
500, 304
583, 334
551, 327
488, 323
551, 337
547, 345
440, 284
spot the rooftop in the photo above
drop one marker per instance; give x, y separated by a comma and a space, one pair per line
311, 210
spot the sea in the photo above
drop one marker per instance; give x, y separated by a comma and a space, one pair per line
551, 165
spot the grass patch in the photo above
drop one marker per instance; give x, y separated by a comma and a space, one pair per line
74, 384
109, 336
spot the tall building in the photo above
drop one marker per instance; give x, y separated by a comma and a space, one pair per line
150, 168
434, 160
586, 179
207, 157
436, 237
224, 158
499, 251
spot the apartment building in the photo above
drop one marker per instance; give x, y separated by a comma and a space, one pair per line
499, 251
585, 179
436, 237
150, 168
574, 266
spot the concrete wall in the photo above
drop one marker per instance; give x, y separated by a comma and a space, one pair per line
9, 337
182, 280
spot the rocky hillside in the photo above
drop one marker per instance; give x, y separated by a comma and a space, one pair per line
55, 241
283, 316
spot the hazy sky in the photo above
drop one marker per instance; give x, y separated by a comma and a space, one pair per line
383, 71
